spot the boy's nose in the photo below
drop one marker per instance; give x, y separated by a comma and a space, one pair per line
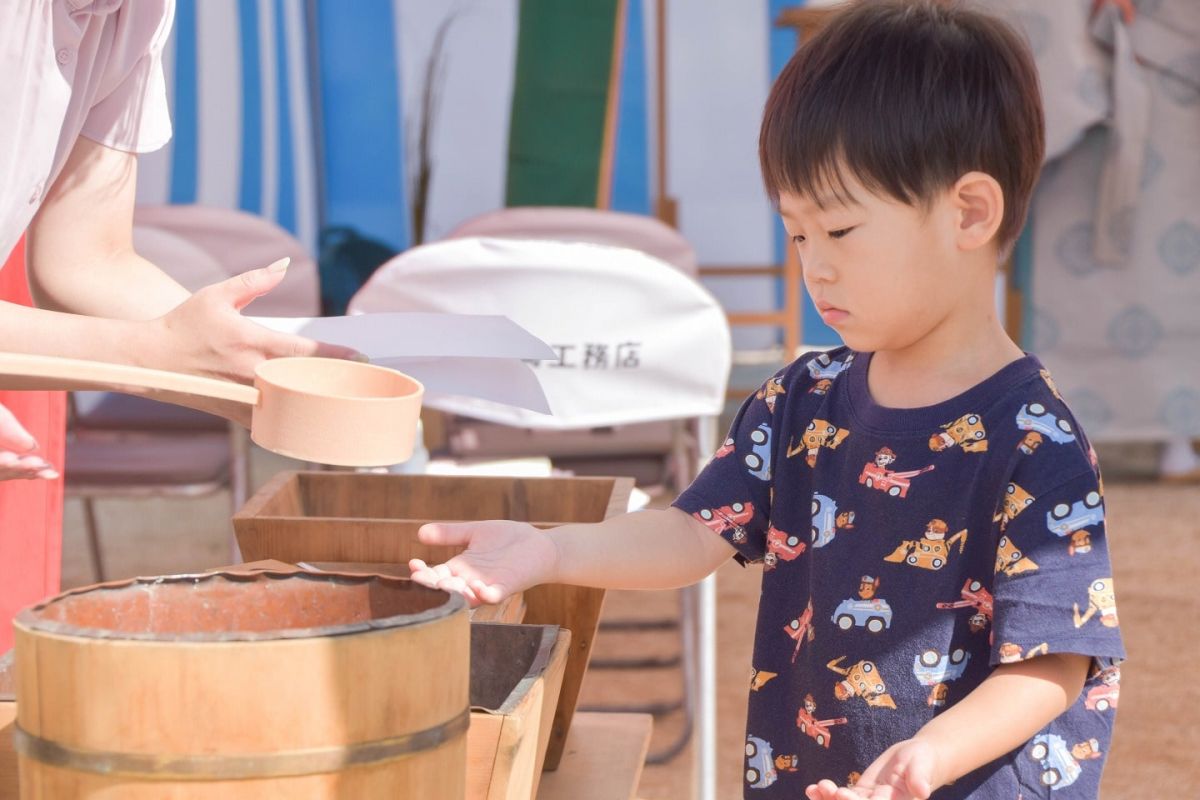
817, 269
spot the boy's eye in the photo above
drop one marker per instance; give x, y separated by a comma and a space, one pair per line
798, 239
838, 234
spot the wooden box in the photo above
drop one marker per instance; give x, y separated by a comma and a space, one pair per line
365, 517
516, 675
8, 720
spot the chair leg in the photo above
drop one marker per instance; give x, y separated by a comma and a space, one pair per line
93, 537
239, 480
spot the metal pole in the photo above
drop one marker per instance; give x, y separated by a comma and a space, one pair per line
706, 741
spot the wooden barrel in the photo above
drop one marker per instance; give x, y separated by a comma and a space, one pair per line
231, 686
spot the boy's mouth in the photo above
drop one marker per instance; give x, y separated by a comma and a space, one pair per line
831, 313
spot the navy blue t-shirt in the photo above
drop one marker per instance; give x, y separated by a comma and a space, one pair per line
906, 553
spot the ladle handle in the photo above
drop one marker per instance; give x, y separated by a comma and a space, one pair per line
19, 371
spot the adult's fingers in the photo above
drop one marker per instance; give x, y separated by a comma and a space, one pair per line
13, 435
445, 533
241, 290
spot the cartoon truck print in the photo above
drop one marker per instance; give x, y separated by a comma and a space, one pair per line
725, 449
933, 669
1015, 501
1064, 519
770, 390
819, 433
1010, 560
1035, 417
975, 596
932, 551
781, 546
817, 730
801, 628
759, 457
861, 680
896, 484
875, 614
822, 366
826, 521
1103, 697
733, 517
1102, 600
760, 763
1060, 764
967, 432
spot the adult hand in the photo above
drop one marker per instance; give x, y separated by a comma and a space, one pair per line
17, 458
905, 771
207, 334
501, 558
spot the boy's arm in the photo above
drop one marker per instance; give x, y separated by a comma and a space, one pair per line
1002, 713
643, 550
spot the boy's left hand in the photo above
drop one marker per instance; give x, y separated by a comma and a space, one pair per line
907, 770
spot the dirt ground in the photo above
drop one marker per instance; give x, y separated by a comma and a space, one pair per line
1155, 540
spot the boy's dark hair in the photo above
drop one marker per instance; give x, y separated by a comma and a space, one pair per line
908, 96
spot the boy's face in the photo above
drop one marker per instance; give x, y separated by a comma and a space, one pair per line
881, 273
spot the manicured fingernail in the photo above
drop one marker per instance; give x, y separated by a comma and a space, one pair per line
361, 358
280, 265
49, 474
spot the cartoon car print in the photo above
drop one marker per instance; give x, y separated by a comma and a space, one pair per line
819, 433
770, 390
1036, 417
861, 680
1060, 764
781, 546
896, 484
801, 628
931, 668
1015, 501
817, 730
724, 449
826, 521
1063, 519
759, 678
760, 766
821, 387
1103, 697
731, 517
875, 614
822, 366
1010, 560
759, 459
932, 550
966, 431
1102, 600
975, 596
1011, 653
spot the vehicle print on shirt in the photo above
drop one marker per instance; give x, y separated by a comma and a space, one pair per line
935, 670
1032, 441
877, 475
1096, 468
1045, 373
781, 546
725, 449
758, 460
1065, 519
1036, 417
819, 433
822, 366
976, 596
1010, 560
1011, 652
932, 550
1015, 501
821, 387
733, 517
1060, 764
760, 763
861, 680
759, 678
801, 628
787, 763
813, 728
1102, 600
826, 521
1107, 693
770, 390
967, 432
865, 611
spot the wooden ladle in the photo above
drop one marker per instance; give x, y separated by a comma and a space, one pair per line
324, 410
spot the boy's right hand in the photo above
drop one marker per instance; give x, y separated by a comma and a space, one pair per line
501, 558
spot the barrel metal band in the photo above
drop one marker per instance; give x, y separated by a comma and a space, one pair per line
169, 766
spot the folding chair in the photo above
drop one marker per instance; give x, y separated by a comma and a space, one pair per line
638, 341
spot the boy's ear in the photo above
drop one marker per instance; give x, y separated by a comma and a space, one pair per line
978, 202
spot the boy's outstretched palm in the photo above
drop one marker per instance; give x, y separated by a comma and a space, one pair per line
501, 558
905, 771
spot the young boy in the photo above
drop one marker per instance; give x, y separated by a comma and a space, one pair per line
937, 613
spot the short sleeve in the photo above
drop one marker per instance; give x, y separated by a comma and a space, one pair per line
130, 112
1053, 584
732, 494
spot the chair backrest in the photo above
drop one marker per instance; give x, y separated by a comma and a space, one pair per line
197, 245
592, 225
637, 339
